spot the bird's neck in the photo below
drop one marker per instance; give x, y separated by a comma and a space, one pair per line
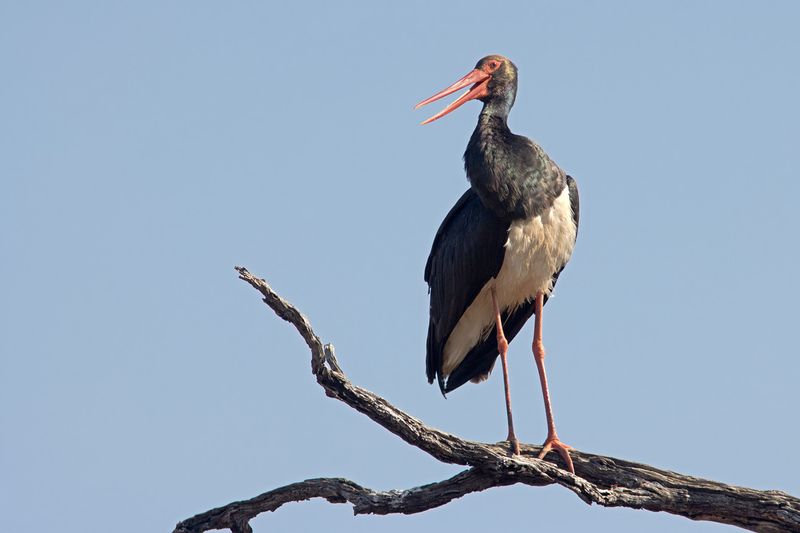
486, 162
489, 146
513, 176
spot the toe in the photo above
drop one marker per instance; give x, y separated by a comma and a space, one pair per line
561, 448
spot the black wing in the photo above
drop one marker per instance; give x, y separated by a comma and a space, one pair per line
479, 361
466, 253
574, 203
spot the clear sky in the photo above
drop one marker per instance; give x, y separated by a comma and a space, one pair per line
146, 148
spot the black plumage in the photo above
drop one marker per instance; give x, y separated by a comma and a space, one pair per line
500, 250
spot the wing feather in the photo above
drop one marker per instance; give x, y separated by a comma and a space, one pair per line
467, 252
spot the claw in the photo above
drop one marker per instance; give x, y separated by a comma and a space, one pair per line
552, 443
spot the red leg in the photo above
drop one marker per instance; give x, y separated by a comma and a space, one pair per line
552, 442
502, 347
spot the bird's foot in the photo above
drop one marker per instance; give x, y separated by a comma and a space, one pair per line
552, 443
513, 444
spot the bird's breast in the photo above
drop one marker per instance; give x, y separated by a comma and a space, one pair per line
536, 249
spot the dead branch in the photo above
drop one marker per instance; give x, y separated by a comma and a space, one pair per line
236, 516
602, 480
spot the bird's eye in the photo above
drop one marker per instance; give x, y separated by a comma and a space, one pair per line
493, 65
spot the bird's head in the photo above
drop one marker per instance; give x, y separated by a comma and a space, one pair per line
493, 80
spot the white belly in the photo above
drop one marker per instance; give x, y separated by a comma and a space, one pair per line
535, 250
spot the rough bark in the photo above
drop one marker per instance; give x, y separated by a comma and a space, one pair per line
602, 480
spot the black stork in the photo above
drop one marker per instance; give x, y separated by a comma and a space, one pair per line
500, 249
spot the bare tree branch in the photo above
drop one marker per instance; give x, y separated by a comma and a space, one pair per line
602, 480
338, 490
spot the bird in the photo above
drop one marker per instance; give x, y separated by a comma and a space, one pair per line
500, 250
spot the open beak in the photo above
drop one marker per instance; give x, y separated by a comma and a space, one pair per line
479, 81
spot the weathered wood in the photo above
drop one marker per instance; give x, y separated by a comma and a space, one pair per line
598, 479
338, 490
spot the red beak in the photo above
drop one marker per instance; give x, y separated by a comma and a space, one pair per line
479, 78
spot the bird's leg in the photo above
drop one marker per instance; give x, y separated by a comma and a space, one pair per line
552, 442
502, 347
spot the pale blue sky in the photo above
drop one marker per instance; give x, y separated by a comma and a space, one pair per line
146, 148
